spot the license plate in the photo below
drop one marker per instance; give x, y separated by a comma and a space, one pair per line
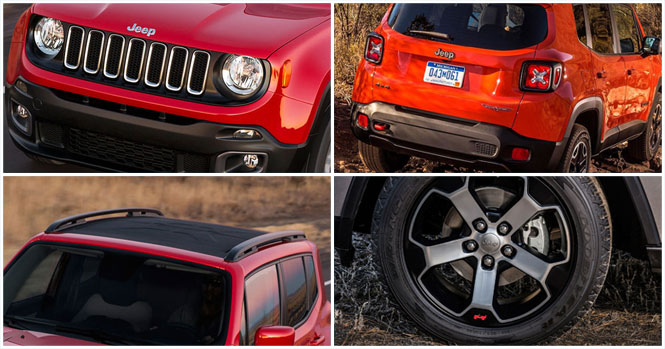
444, 74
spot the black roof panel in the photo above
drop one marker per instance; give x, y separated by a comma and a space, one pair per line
211, 239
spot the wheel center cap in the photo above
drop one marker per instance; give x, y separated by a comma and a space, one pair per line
490, 242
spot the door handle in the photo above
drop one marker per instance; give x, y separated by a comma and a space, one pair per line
629, 72
318, 340
601, 74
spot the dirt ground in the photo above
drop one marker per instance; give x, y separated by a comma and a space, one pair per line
263, 203
348, 160
627, 311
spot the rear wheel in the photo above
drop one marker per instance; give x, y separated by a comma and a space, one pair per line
493, 260
577, 156
381, 160
644, 147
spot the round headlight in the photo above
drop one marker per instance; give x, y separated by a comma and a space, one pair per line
242, 74
49, 36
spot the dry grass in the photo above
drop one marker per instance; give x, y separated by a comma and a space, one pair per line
627, 312
266, 203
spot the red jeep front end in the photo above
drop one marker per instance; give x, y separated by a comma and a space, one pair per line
142, 87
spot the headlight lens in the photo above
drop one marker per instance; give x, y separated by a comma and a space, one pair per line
242, 74
49, 36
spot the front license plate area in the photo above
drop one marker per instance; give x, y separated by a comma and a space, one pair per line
444, 74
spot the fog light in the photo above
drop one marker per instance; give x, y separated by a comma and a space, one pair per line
21, 118
246, 134
251, 160
521, 154
362, 121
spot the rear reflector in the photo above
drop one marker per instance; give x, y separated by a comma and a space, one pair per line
540, 76
362, 121
521, 154
374, 48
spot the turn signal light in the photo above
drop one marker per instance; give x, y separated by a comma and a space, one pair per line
540, 76
374, 48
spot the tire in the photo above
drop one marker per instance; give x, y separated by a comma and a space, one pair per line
577, 156
44, 160
573, 283
320, 163
644, 147
381, 160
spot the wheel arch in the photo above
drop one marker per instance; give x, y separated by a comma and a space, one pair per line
588, 112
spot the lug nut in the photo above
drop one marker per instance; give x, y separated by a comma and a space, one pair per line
471, 245
508, 251
504, 228
480, 225
488, 261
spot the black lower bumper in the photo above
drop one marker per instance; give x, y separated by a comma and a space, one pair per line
450, 139
114, 137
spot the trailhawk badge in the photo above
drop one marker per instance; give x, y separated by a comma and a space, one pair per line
141, 30
445, 54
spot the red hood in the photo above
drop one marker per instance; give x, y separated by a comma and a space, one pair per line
12, 336
250, 29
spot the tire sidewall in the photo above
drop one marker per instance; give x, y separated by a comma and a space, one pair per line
568, 156
394, 209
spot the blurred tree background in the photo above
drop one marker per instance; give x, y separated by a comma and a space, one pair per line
354, 21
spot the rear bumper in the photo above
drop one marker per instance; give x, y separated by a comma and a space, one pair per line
105, 136
461, 141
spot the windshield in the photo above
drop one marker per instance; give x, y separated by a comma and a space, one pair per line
114, 297
489, 26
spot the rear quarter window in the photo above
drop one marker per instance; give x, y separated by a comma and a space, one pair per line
488, 26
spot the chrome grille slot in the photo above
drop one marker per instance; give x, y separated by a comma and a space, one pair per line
175, 74
155, 65
74, 47
134, 60
115, 47
93, 52
198, 72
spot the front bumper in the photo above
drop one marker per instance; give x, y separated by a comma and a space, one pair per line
116, 137
446, 138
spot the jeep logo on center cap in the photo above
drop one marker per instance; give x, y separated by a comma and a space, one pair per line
141, 30
445, 54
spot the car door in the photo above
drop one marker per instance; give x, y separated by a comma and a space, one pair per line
300, 292
637, 68
609, 67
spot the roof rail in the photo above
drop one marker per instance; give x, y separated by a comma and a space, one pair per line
252, 245
80, 218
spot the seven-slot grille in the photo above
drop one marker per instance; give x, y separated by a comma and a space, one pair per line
134, 60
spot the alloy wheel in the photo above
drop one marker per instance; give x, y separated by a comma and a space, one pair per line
656, 119
579, 159
489, 252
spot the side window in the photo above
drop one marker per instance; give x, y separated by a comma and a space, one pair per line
629, 39
580, 23
262, 296
243, 324
312, 284
296, 290
601, 28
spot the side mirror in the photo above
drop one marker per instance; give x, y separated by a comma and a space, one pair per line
651, 45
275, 335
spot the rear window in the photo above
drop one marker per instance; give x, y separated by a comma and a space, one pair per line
488, 26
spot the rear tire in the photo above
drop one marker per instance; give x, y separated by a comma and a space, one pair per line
577, 156
588, 229
381, 160
645, 147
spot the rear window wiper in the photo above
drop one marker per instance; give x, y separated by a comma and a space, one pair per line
431, 34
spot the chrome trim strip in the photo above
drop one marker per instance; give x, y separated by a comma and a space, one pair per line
85, 54
106, 56
161, 68
168, 69
129, 53
69, 36
205, 75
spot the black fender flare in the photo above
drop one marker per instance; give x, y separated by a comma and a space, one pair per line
594, 103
